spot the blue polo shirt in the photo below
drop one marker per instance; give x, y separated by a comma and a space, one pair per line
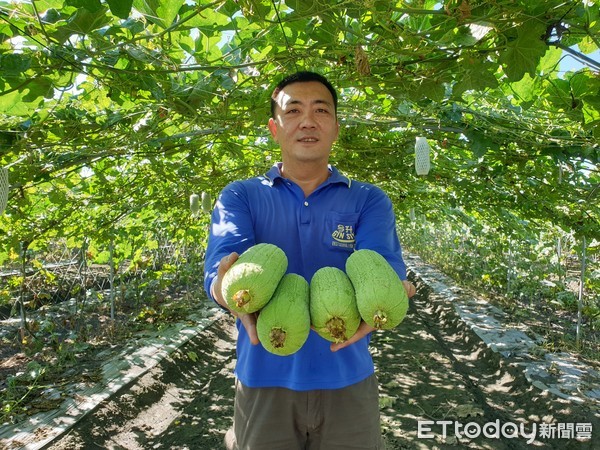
320, 230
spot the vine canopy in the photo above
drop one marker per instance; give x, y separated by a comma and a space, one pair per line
114, 111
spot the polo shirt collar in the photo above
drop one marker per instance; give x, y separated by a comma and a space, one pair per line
336, 177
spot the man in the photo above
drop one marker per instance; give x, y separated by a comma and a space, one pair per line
324, 396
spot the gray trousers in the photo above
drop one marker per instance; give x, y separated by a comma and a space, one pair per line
282, 419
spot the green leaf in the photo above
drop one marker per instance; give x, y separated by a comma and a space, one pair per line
209, 19
12, 104
40, 87
14, 64
480, 143
44, 5
82, 22
523, 54
587, 45
302, 7
525, 89
476, 75
457, 37
91, 5
549, 62
24, 101
582, 83
559, 94
433, 90
120, 8
160, 12
591, 109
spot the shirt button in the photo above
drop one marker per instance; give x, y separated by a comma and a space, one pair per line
305, 203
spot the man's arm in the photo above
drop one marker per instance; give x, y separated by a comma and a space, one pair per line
231, 233
377, 231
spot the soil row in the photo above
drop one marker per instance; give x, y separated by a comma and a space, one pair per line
440, 387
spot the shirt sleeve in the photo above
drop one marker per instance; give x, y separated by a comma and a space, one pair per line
376, 230
231, 230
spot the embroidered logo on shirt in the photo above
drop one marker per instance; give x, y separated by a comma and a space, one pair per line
343, 236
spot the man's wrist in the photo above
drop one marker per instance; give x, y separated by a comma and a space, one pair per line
214, 297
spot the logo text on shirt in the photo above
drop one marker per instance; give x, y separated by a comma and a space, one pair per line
343, 236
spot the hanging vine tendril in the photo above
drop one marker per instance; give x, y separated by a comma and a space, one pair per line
287, 43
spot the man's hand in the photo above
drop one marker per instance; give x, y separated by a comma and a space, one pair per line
409, 288
248, 320
364, 328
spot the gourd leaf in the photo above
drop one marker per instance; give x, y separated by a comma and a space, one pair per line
160, 12
302, 7
477, 76
82, 22
14, 64
44, 5
480, 143
587, 45
91, 5
120, 8
433, 90
522, 55
524, 89
549, 62
24, 101
591, 112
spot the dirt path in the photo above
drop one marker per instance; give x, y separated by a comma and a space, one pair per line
432, 368
184, 402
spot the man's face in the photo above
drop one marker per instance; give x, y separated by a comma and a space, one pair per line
305, 125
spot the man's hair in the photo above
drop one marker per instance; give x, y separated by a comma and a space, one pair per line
302, 77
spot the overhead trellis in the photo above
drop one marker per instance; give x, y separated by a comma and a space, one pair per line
116, 108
